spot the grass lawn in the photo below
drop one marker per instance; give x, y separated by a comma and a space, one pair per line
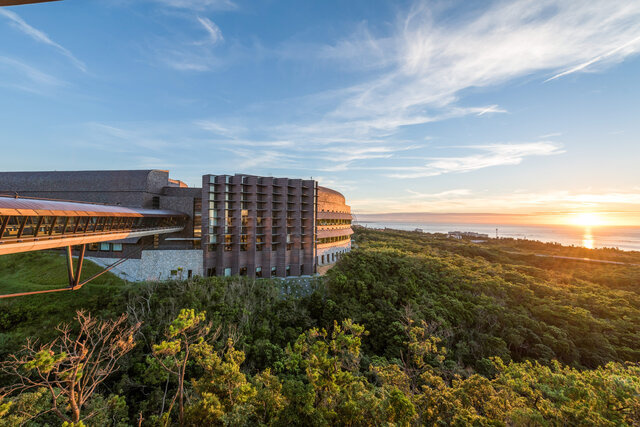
38, 315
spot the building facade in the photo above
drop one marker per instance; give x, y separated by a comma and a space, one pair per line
333, 226
237, 224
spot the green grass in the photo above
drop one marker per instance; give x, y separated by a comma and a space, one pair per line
38, 315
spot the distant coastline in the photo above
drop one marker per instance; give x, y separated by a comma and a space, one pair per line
624, 238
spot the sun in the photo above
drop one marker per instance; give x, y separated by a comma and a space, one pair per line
586, 219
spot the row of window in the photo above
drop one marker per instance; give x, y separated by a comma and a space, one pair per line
333, 222
259, 248
33, 226
333, 239
105, 247
243, 271
330, 258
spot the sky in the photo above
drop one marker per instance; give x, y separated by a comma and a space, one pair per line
527, 107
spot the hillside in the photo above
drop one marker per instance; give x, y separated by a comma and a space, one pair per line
420, 329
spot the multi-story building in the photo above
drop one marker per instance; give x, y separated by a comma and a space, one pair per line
238, 225
333, 226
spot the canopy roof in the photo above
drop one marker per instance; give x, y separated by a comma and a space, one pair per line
11, 206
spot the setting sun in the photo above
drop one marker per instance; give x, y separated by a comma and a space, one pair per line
586, 219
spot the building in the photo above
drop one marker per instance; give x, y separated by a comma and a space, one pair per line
237, 224
333, 226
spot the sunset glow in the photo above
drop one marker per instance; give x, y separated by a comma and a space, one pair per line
587, 219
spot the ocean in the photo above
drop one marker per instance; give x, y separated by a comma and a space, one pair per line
625, 238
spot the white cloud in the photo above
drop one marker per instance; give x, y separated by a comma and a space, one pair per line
199, 5
188, 54
215, 35
489, 156
25, 77
435, 60
418, 72
41, 37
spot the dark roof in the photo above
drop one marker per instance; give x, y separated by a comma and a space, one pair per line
40, 207
17, 2
105, 180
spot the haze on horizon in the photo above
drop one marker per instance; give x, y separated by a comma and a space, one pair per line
524, 108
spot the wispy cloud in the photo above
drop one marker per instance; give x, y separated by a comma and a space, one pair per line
215, 35
464, 200
489, 156
25, 77
41, 37
417, 73
435, 60
192, 53
199, 5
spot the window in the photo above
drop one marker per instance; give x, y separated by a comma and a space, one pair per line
189, 273
155, 202
105, 247
288, 271
322, 259
228, 248
211, 271
258, 271
273, 271
93, 246
244, 248
227, 272
116, 247
243, 271
174, 272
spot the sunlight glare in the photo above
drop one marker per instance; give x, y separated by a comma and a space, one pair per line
586, 219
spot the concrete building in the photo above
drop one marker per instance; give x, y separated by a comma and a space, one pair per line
238, 225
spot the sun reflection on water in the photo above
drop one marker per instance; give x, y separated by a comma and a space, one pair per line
587, 238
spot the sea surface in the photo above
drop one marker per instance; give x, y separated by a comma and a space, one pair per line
625, 238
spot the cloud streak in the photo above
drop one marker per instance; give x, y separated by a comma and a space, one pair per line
418, 72
26, 77
518, 202
199, 5
490, 155
41, 37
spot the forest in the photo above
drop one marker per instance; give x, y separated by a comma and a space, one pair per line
408, 329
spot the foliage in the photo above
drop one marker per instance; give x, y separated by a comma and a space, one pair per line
185, 335
437, 332
72, 366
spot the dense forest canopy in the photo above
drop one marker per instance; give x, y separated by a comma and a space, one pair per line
408, 329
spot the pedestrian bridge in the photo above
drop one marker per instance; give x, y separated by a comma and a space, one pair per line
35, 224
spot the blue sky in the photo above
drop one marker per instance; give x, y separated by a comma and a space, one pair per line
415, 106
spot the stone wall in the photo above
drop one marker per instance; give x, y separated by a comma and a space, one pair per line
157, 265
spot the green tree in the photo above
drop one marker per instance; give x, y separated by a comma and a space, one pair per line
71, 367
189, 329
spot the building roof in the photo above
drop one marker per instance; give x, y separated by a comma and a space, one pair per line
17, 2
90, 181
11, 206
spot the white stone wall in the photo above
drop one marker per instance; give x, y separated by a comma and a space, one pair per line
156, 265
332, 253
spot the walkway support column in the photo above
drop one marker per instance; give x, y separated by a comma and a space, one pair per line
74, 276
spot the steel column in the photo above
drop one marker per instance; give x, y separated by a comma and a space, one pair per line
70, 266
